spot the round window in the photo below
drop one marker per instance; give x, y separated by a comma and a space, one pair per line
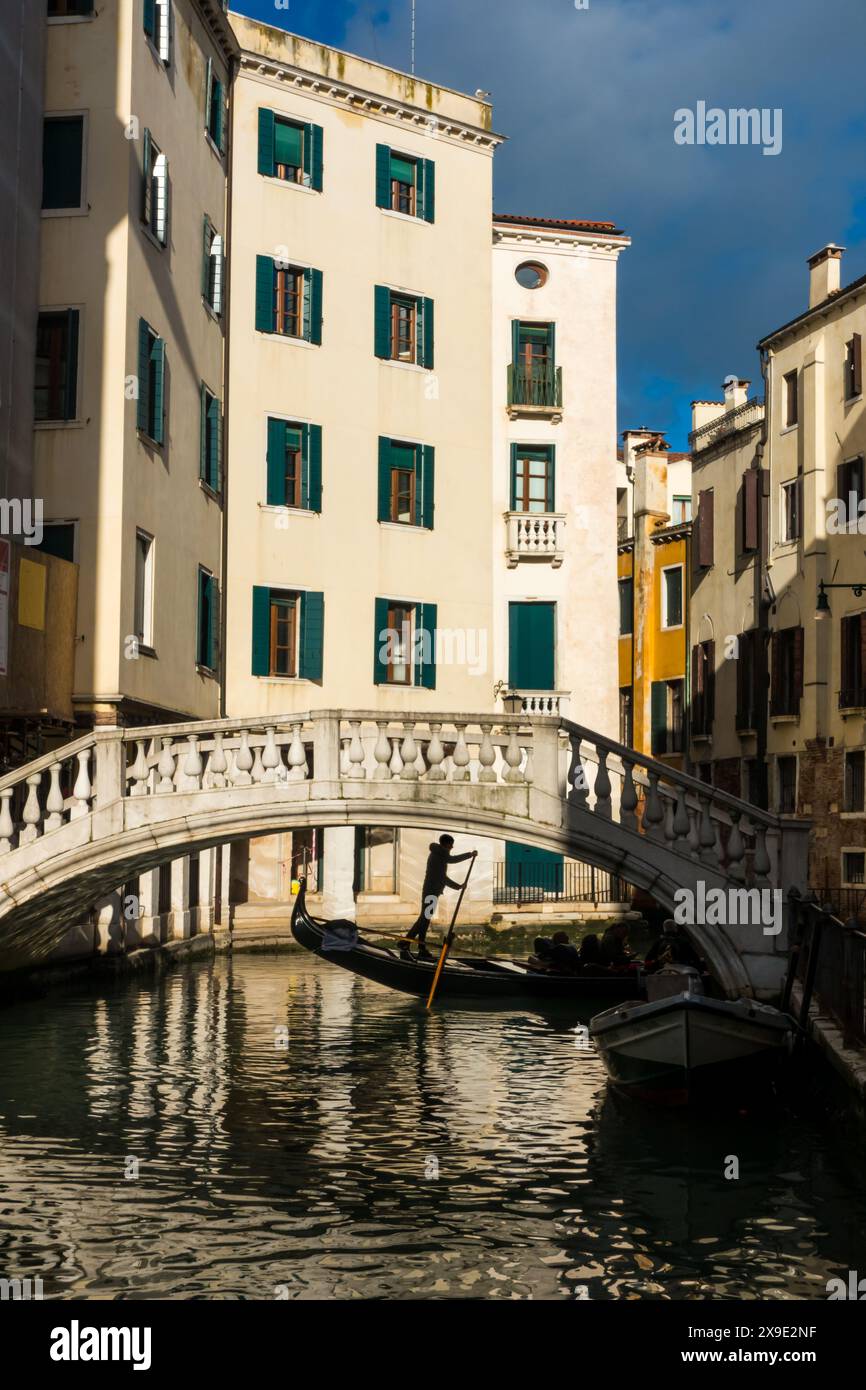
531, 275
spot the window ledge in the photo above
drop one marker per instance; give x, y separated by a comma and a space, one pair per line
852, 400
287, 338
379, 897
148, 441
210, 491
209, 140
852, 711
211, 311
65, 212
553, 413
702, 738
747, 733
282, 680
852, 815
150, 235
145, 650
290, 183
403, 366
207, 671
59, 424
789, 429
406, 526
405, 217
277, 510
156, 55
70, 18
784, 718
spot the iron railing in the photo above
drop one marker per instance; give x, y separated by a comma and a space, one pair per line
539, 386
572, 883
839, 971
750, 413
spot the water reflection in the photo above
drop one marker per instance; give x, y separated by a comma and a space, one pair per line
287, 1123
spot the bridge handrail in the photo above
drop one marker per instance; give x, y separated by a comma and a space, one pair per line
47, 760
264, 721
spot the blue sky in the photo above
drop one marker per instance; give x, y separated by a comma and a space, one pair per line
587, 99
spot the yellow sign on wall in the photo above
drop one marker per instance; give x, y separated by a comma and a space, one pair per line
31, 595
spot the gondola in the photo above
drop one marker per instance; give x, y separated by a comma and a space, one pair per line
464, 977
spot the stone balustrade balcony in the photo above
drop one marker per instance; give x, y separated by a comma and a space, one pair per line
534, 536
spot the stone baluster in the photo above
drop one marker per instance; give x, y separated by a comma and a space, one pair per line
54, 800
396, 764
681, 820
487, 755
297, 757
382, 753
653, 814
718, 847
357, 770
435, 755
82, 791
513, 757
32, 813
602, 786
577, 793
243, 761
140, 771
193, 767
707, 834
736, 850
762, 864
165, 767
258, 772
668, 824
694, 833
628, 799
344, 758
7, 827
460, 757
409, 754
528, 766
272, 761
217, 765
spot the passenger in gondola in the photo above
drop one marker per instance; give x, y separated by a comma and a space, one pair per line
564, 956
673, 947
590, 955
436, 880
614, 946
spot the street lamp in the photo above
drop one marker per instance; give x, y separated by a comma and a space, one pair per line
822, 607
512, 702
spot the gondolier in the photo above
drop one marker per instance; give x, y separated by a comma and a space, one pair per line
436, 880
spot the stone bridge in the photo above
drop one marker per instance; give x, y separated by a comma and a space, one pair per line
80, 822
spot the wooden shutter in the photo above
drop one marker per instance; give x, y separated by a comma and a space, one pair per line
265, 294
428, 333
313, 444
709, 649
697, 703
149, 17
380, 639
222, 142
143, 407
426, 491
70, 403
427, 181
856, 365
383, 179
207, 238
382, 322
425, 632
659, 717
261, 662
531, 646
214, 462
775, 673
384, 479
266, 142
208, 88
145, 183
705, 529
157, 353
276, 461
314, 145
202, 451
214, 633
314, 278
513, 486
312, 636
750, 509
798, 664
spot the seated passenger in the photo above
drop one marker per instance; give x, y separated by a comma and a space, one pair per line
614, 948
590, 954
565, 957
673, 947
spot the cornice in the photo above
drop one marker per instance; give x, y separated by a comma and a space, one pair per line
525, 237
346, 94
215, 18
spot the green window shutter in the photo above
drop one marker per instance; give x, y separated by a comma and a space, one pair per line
157, 353
514, 454
71, 384
276, 495
384, 479
202, 453
551, 341
425, 650
428, 335
406, 170
261, 665
150, 17
312, 636
145, 182
515, 341
288, 140
659, 717
266, 142
380, 642
313, 459
551, 476
531, 645
427, 175
214, 631
382, 321
62, 143
315, 282
143, 407
264, 294
224, 119
214, 460
314, 148
425, 492
208, 87
383, 180
207, 238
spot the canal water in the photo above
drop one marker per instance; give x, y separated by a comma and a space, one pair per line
271, 1127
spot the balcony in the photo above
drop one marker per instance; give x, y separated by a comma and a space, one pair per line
534, 536
535, 391
545, 702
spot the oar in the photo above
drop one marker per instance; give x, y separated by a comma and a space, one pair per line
446, 944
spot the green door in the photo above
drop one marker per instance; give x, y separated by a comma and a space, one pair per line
532, 646
531, 873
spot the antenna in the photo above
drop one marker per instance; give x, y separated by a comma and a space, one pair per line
413, 38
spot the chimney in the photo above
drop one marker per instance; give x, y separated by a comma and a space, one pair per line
825, 273
736, 392
651, 478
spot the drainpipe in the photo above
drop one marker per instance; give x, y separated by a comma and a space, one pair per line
762, 606
227, 301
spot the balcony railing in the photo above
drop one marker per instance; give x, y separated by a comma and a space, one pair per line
537, 388
545, 702
534, 536
569, 883
746, 415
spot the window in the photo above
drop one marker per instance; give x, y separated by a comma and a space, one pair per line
672, 596
207, 627
151, 383
62, 163
747, 675
626, 606
288, 300
531, 276
786, 784
791, 400
210, 460
212, 267
853, 867
375, 859
142, 622
288, 633
625, 715
532, 478
406, 483
791, 494
290, 150
851, 490
703, 688
294, 465
855, 787
786, 686
853, 367
154, 201
681, 510
405, 184
215, 122
157, 26
59, 8
666, 711
403, 327
59, 538
56, 374
404, 643
852, 694
705, 548
532, 646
